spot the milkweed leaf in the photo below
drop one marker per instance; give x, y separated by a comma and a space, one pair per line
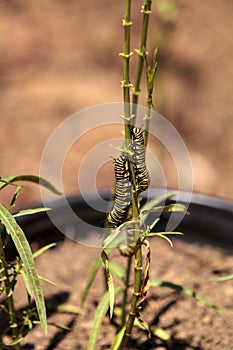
96, 266
10, 180
100, 312
110, 283
25, 254
116, 269
43, 250
156, 201
30, 211
223, 279
185, 290
118, 338
174, 207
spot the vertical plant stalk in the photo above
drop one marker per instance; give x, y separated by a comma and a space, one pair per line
150, 80
125, 295
136, 294
135, 210
146, 10
9, 296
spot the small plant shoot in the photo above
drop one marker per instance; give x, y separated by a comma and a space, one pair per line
19, 323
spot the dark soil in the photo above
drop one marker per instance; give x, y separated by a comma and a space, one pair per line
190, 324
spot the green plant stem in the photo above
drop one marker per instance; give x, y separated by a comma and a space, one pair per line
150, 79
135, 210
125, 295
9, 296
146, 10
136, 293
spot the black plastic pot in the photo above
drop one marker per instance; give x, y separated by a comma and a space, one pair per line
210, 220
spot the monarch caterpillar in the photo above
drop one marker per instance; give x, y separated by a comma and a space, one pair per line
139, 159
129, 248
122, 193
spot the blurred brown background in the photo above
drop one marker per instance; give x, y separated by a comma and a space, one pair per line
58, 57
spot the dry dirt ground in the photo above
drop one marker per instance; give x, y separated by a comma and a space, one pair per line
190, 324
58, 57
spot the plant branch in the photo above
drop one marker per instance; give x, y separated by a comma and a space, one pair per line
146, 11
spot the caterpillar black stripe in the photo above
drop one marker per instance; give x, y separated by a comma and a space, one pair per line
129, 248
139, 159
122, 193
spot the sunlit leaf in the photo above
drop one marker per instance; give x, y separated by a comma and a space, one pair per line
117, 339
48, 281
100, 313
71, 309
160, 333
223, 279
164, 235
43, 250
29, 178
30, 211
15, 196
24, 251
110, 283
156, 201
174, 207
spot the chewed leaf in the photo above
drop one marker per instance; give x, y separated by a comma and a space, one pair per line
110, 283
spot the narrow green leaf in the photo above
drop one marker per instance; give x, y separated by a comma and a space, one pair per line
174, 207
43, 250
156, 201
96, 266
59, 326
223, 279
151, 234
48, 281
29, 178
15, 196
165, 238
100, 312
163, 235
117, 339
14, 342
110, 283
185, 290
154, 223
71, 309
160, 333
30, 211
117, 270
26, 282
25, 254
